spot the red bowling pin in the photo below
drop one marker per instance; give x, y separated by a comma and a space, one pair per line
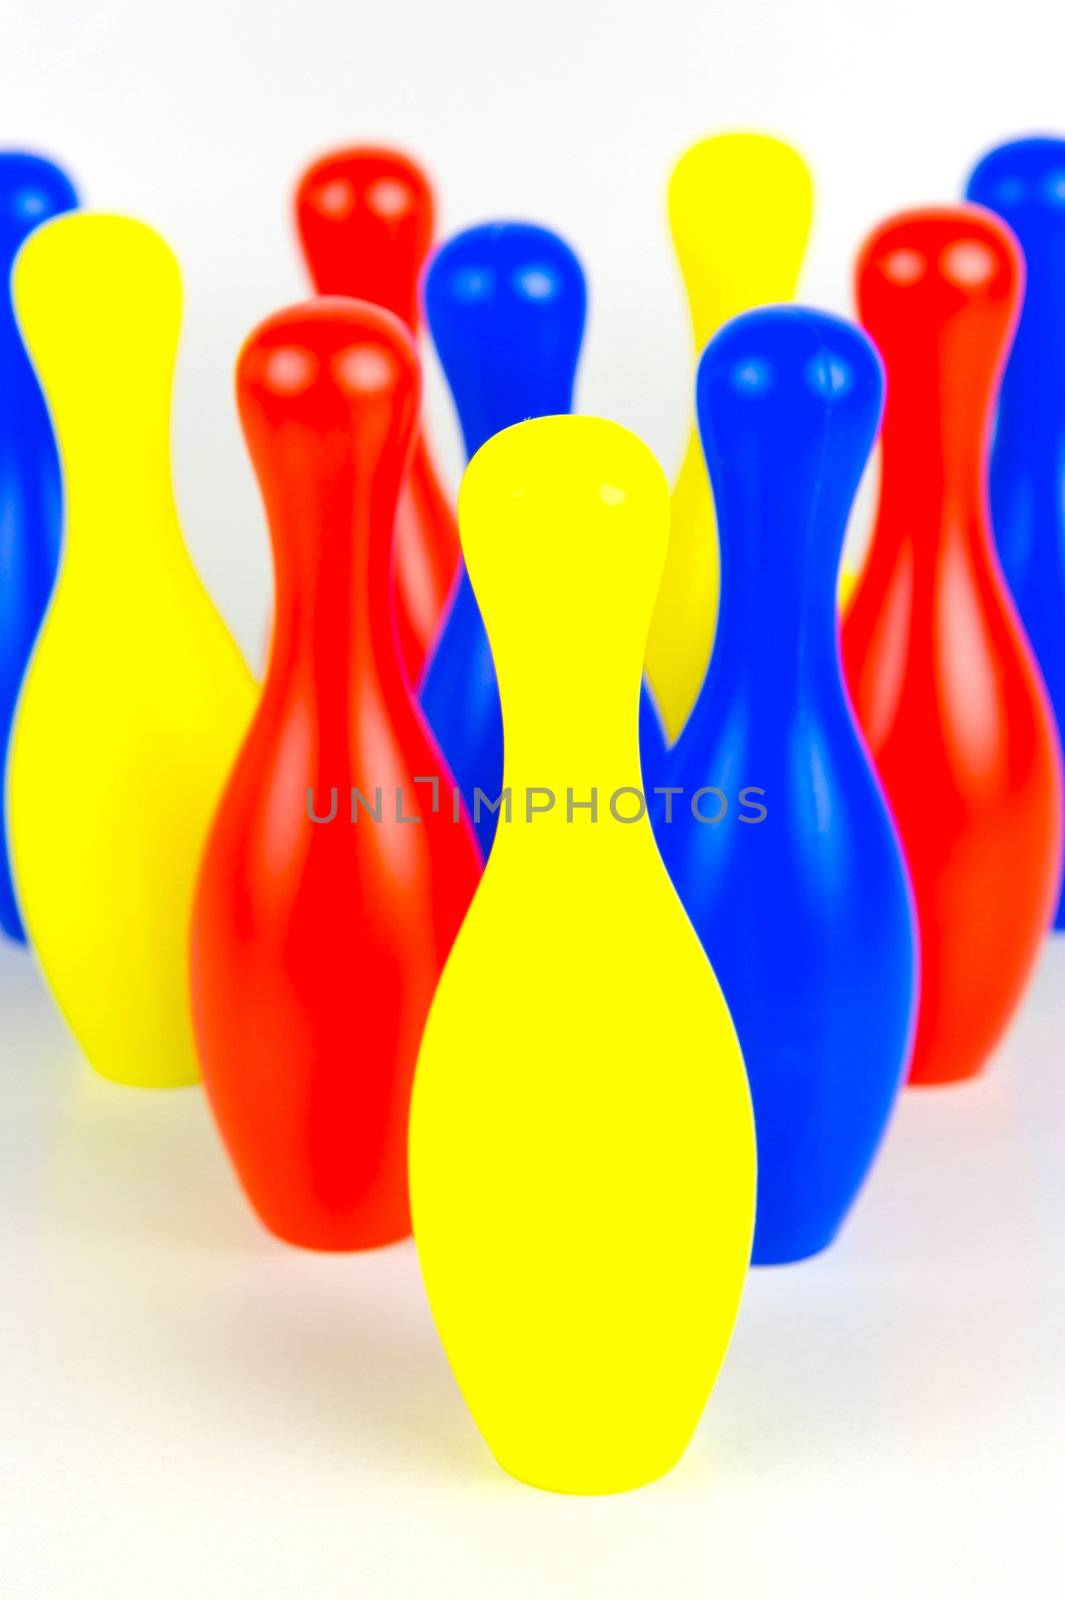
365, 220
940, 672
331, 889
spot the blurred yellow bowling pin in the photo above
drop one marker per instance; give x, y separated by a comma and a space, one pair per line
582, 1151
136, 696
739, 211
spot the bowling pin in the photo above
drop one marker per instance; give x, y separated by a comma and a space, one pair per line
940, 673
582, 1159
136, 696
739, 211
31, 191
780, 845
336, 875
365, 221
1025, 183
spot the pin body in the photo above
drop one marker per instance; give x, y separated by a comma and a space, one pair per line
739, 211
796, 888
136, 696
31, 191
941, 675
365, 220
582, 1163
317, 943
1025, 183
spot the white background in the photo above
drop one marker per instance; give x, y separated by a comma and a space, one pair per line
188, 1408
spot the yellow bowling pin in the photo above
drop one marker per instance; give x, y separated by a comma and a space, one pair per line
581, 1145
136, 696
739, 211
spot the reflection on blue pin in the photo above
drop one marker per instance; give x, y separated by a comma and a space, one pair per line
31, 191
1025, 183
505, 303
796, 887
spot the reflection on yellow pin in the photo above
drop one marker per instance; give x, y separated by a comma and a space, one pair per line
136, 696
582, 1151
739, 210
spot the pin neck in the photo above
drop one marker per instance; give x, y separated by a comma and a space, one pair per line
1031, 406
334, 593
572, 731
935, 455
934, 494
780, 533
777, 646
770, 626
120, 514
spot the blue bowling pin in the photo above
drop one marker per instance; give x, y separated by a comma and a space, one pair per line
505, 303
1024, 183
781, 846
31, 191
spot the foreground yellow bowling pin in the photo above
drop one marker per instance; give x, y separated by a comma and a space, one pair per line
136, 696
739, 211
581, 1148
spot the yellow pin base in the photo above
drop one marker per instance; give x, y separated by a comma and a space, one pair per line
136, 697
739, 209
581, 1148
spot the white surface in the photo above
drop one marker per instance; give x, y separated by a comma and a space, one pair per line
188, 1409
191, 1409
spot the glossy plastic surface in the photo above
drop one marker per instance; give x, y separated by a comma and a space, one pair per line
739, 210
31, 503
805, 914
365, 221
940, 673
136, 696
317, 944
1025, 183
582, 1153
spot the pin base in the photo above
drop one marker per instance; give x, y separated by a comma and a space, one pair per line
184, 1078
334, 1237
781, 1254
590, 1484
942, 1078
